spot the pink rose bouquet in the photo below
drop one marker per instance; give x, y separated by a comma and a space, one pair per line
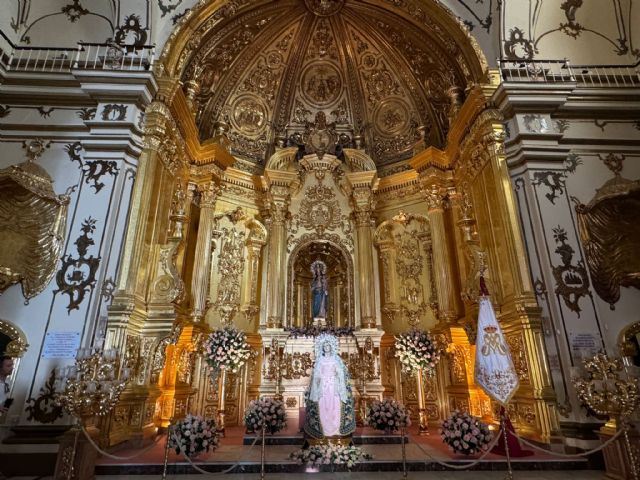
318, 455
416, 350
266, 410
226, 348
388, 414
465, 433
193, 435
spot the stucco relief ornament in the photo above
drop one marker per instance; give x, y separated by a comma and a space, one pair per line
319, 210
324, 8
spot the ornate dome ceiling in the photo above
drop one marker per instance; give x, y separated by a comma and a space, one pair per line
320, 73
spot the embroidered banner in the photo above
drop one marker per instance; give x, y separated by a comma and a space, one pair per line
494, 370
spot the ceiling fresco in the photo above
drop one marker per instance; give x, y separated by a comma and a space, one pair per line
324, 75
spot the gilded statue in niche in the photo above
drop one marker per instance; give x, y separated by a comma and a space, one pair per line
609, 229
32, 224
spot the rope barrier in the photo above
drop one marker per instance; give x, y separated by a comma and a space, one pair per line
204, 472
117, 457
566, 455
466, 465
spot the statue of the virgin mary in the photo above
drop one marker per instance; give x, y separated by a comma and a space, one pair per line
330, 408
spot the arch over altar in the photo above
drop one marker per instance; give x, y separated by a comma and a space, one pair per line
314, 169
340, 276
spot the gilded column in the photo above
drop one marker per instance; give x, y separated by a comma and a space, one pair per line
202, 265
278, 211
363, 185
443, 259
365, 265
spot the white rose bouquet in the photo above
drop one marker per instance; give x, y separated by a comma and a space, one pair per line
318, 455
193, 435
388, 414
465, 433
266, 410
417, 349
226, 348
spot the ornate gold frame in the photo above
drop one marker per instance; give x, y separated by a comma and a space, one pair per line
18, 344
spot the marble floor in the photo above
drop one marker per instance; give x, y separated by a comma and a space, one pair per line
520, 475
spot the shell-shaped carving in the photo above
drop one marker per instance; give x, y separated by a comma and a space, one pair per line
32, 227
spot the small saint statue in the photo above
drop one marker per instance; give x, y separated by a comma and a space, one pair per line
319, 292
330, 407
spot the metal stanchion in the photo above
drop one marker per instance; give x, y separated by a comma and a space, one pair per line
166, 450
506, 445
264, 427
404, 452
630, 450
72, 462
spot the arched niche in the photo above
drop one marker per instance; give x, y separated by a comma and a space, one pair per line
341, 307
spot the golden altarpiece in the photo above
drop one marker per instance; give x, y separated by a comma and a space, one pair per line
269, 146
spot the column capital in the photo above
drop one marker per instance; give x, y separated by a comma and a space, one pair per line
362, 186
436, 198
209, 193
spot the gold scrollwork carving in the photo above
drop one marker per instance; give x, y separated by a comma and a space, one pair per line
400, 241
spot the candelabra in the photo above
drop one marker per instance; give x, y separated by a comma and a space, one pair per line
606, 393
89, 388
363, 368
93, 385
272, 368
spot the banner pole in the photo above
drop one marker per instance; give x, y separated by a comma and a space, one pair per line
506, 444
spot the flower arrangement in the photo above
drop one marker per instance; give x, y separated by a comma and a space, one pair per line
465, 433
318, 455
416, 350
268, 410
388, 414
314, 331
226, 348
194, 435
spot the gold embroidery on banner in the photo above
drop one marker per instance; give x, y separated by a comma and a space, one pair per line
493, 342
